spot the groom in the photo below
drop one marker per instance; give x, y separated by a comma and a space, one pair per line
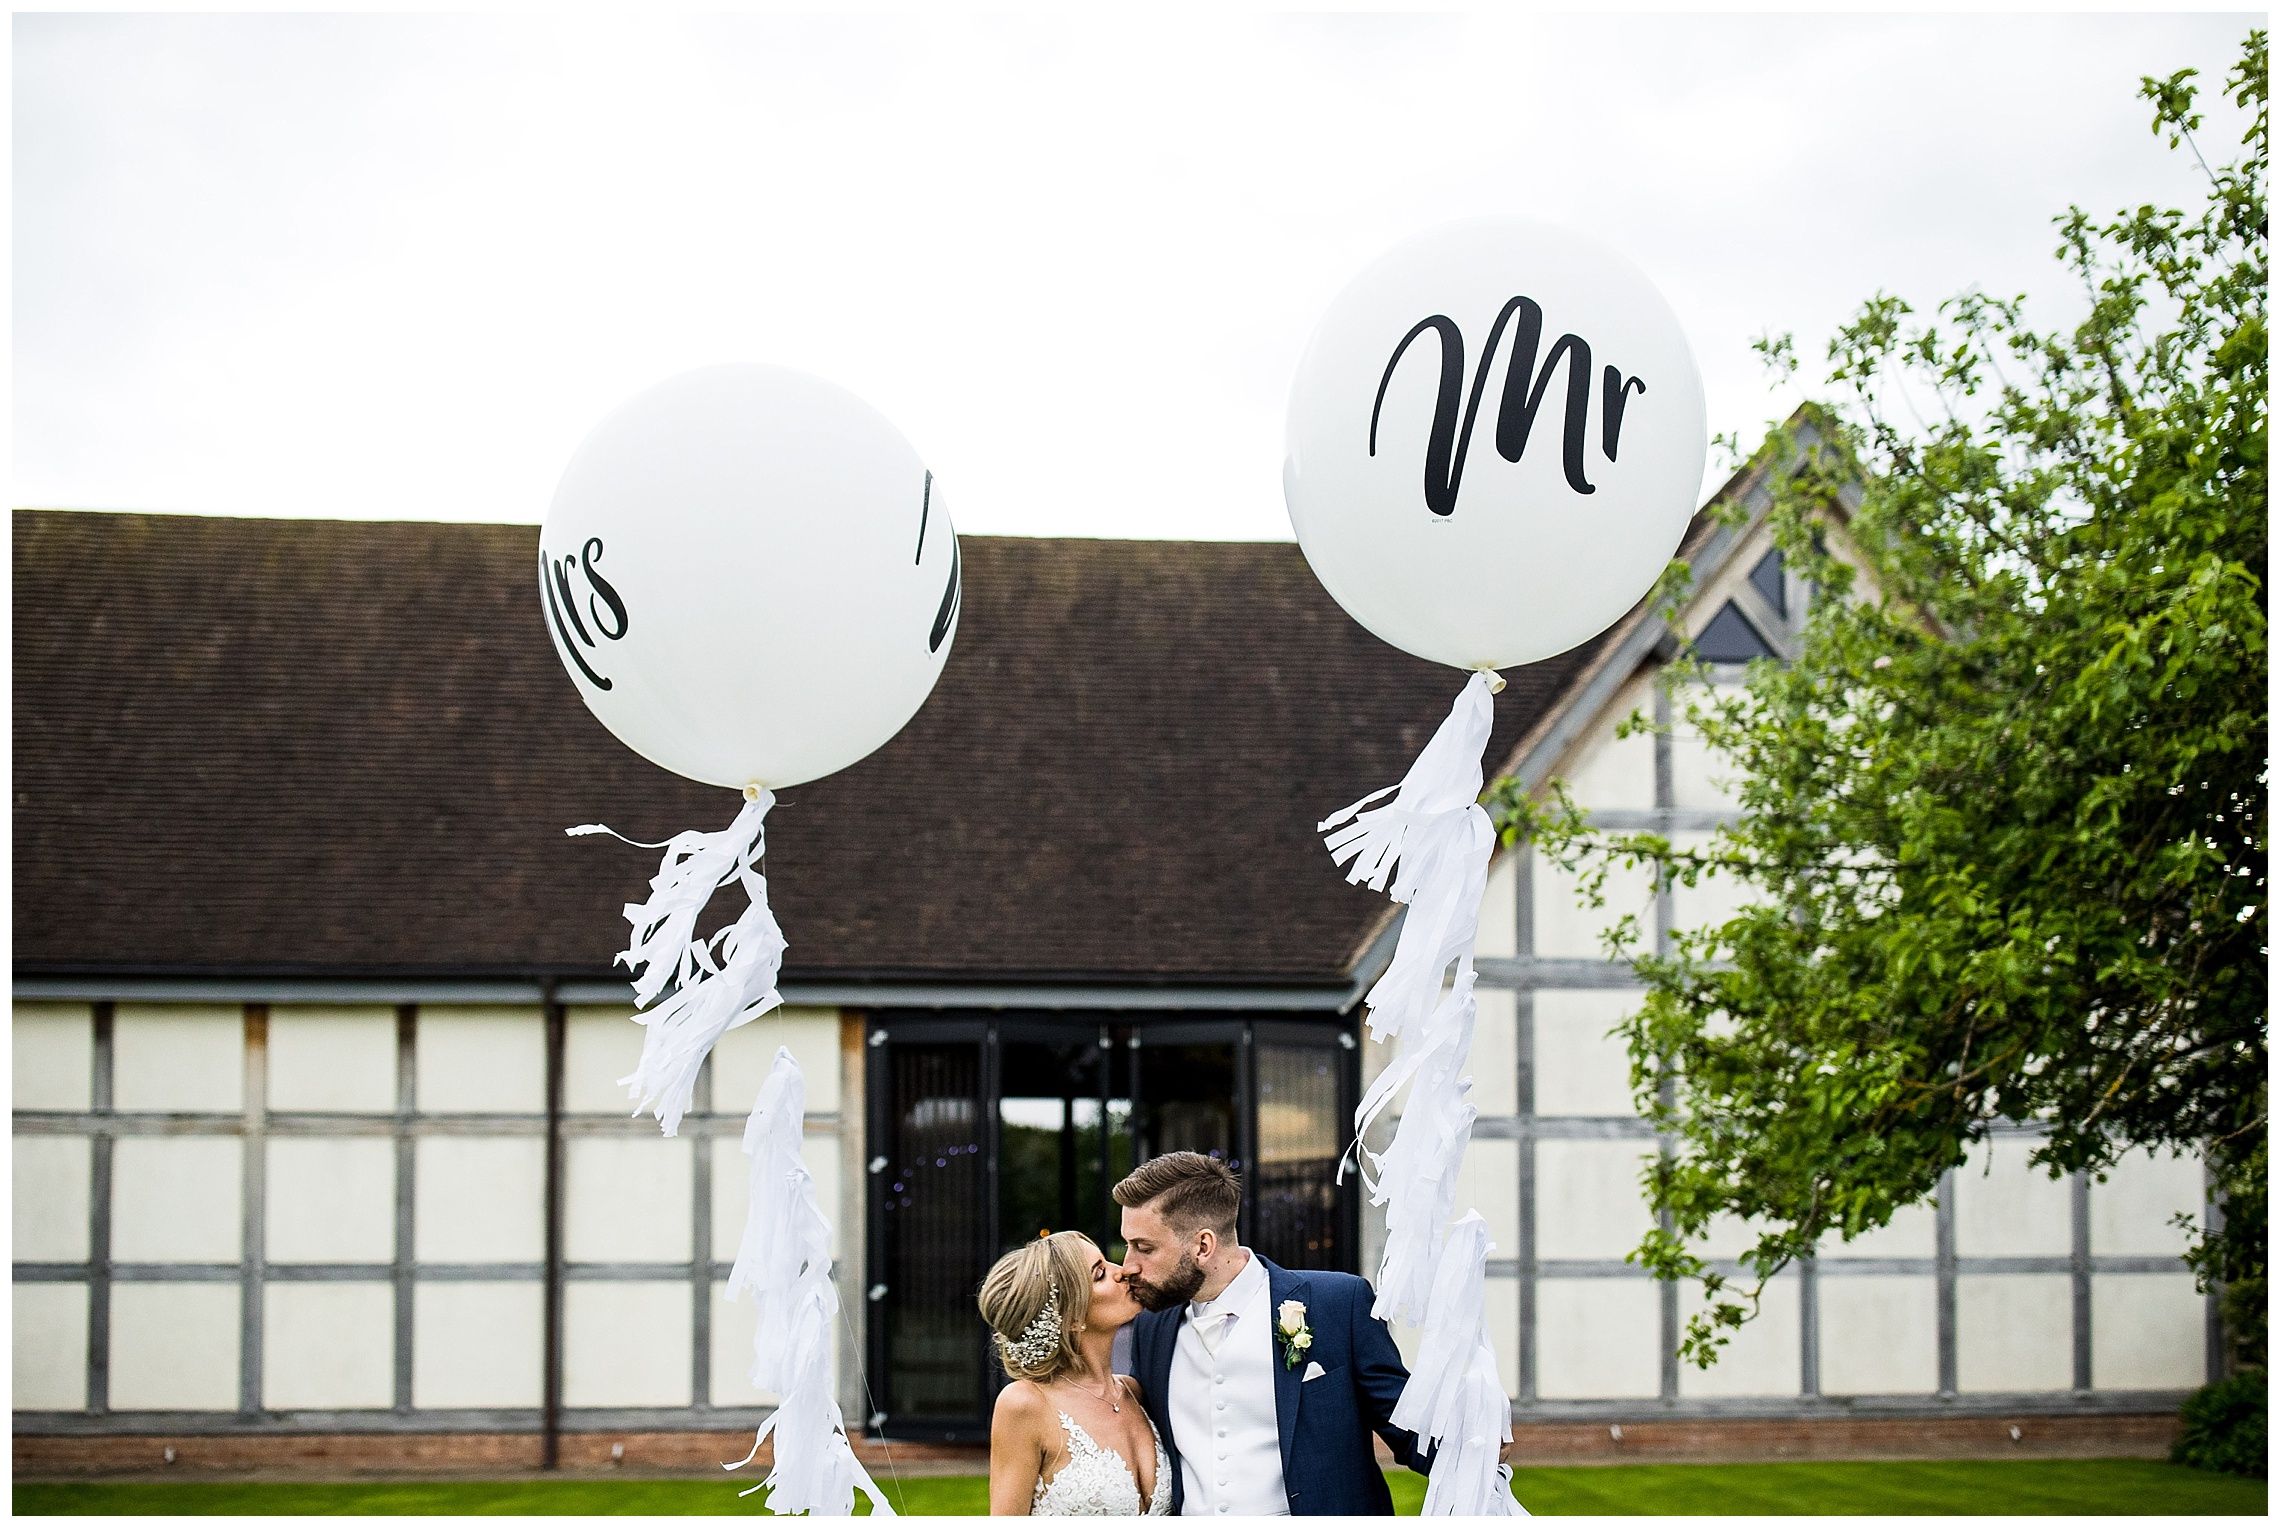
1265, 1384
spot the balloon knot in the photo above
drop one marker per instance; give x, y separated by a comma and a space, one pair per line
752, 792
1495, 680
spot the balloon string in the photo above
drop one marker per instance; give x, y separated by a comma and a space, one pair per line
595, 827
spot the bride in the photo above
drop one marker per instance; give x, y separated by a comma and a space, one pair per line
1068, 1438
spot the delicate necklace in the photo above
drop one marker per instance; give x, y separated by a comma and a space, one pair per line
1115, 1406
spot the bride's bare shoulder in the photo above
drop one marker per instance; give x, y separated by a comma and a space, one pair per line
1021, 1403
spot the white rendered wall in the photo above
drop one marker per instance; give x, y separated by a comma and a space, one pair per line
1495, 1061
1485, 1182
1913, 1231
742, 1059
49, 1352
332, 1060
179, 1057
1879, 1334
1700, 779
1598, 1339
1763, 1358
2003, 1208
479, 1199
1582, 1067
600, 1047
2014, 1332
626, 1198
174, 1347
732, 1355
1499, 907
328, 1347
1589, 1205
478, 1345
626, 1344
48, 1211
481, 1060
1604, 770
330, 1200
2132, 1213
2146, 1331
1569, 929
330, 1197
52, 1054
177, 1200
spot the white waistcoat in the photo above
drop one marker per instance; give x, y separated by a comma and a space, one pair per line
1222, 1407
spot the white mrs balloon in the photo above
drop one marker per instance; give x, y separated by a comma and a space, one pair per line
1563, 366
750, 576
1494, 443
752, 582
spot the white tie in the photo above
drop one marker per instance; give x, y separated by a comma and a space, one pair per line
1210, 1329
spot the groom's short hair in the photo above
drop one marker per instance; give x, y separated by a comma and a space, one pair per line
1190, 1190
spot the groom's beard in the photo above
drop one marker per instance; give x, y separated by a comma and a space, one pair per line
1177, 1289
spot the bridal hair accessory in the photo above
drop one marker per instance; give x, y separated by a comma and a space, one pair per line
1038, 1339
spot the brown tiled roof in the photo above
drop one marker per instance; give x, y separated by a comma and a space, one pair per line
324, 747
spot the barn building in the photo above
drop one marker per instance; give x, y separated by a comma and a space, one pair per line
319, 1138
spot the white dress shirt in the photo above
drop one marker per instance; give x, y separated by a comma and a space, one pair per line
1222, 1403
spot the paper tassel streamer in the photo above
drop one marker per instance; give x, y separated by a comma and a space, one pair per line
1436, 833
717, 983
785, 1260
1416, 1178
1455, 1393
1433, 843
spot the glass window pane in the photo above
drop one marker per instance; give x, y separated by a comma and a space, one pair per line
1187, 1101
1050, 1170
1294, 1185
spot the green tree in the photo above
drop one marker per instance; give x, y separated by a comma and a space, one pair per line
2004, 821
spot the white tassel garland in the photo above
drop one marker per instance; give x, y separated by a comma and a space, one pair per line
1416, 1177
785, 1260
1435, 832
1433, 843
1455, 1394
711, 994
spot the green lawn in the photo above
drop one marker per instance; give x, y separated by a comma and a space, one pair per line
2000, 1487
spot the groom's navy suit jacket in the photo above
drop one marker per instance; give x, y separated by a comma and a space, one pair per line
1328, 1464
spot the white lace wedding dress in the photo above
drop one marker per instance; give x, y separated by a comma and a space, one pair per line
1096, 1482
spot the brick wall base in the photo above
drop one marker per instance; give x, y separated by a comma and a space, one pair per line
331, 1456
1744, 1440
338, 1456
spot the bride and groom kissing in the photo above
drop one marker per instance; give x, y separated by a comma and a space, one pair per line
1254, 1389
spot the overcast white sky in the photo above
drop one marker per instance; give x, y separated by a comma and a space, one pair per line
396, 266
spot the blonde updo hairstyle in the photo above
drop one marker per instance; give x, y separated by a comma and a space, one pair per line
1014, 1296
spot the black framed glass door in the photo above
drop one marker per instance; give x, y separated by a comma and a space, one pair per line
984, 1130
930, 1169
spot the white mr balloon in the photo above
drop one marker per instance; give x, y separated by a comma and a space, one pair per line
752, 581
1494, 444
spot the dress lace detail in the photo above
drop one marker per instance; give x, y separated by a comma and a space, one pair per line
1096, 1482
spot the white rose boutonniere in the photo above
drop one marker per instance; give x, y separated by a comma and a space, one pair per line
1292, 1334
